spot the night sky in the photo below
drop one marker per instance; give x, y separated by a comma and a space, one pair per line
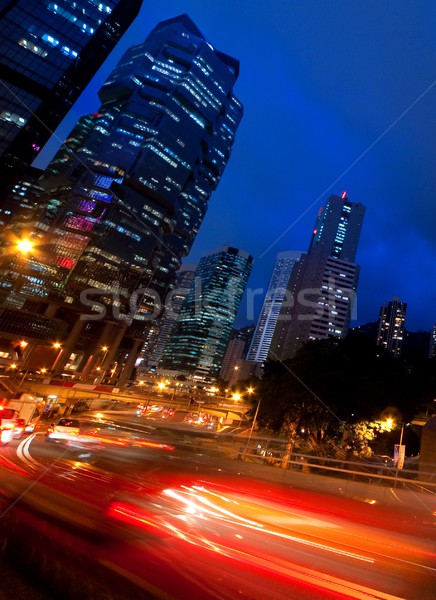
338, 95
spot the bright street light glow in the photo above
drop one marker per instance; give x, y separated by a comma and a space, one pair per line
24, 246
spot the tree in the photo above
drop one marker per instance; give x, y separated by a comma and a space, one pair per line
334, 392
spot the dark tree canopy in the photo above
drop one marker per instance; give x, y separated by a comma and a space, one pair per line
330, 385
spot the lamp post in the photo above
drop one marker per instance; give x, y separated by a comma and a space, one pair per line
401, 434
399, 453
57, 346
105, 350
173, 395
252, 428
13, 367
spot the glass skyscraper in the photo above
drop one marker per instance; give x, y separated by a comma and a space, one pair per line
200, 337
155, 345
126, 194
49, 53
322, 288
272, 306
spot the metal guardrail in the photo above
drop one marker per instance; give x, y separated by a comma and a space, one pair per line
369, 472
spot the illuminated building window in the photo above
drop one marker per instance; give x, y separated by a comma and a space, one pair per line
33, 47
5, 115
68, 52
50, 40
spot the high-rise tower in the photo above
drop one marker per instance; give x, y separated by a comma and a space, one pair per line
49, 53
322, 288
164, 328
234, 356
272, 305
126, 195
390, 333
201, 335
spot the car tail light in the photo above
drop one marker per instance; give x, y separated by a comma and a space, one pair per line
138, 517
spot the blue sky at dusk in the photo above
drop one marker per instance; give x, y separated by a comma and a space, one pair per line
338, 95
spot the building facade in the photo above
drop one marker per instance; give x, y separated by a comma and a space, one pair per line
391, 326
322, 288
236, 351
155, 345
49, 53
432, 349
199, 341
124, 198
272, 306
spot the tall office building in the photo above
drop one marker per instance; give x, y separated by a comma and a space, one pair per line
124, 199
272, 306
236, 352
322, 287
49, 53
201, 335
391, 326
151, 355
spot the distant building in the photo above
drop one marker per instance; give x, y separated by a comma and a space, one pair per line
166, 325
322, 287
49, 53
235, 351
276, 294
243, 370
391, 326
432, 349
200, 337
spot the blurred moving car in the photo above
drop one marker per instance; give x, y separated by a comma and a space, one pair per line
155, 411
7, 424
201, 420
19, 429
63, 430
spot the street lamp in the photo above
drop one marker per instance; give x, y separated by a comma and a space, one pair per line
24, 246
13, 368
252, 428
100, 370
161, 385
